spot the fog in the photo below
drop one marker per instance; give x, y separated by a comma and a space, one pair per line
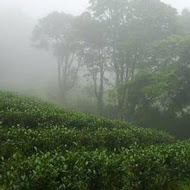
22, 64
23, 67
40, 8
90, 58
94, 94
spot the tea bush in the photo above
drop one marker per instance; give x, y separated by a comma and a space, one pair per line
44, 146
33, 113
155, 167
25, 141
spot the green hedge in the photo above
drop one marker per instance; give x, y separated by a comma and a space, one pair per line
30, 112
33, 113
156, 167
25, 141
52, 148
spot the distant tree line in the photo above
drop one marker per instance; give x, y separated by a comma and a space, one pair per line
135, 55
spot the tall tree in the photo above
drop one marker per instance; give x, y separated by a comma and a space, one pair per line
132, 25
184, 22
91, 34
55, 33
160, 97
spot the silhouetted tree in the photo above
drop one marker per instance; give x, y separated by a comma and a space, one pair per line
56, 34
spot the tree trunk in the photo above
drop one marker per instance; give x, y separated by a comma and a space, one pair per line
101, 90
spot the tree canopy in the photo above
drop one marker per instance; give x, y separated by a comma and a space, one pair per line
134, 55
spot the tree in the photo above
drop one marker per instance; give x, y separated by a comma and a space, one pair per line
91, 34
184, 22
159, 97
172, 50
132, 26
113, 13
55, 33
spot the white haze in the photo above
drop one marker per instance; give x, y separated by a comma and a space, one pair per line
39, 8
21, 65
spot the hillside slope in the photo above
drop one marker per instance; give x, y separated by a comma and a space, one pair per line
44, 146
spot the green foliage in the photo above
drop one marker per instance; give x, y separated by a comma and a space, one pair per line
26, 141
164, 94
68, 150
156, 167
144, 46
69, 170
29, 112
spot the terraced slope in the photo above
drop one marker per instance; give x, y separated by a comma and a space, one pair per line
44, 146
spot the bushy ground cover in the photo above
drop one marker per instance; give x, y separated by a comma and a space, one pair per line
44, 146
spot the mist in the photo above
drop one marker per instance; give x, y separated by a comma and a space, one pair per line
21, 65
94, 94
34, 56
23, 68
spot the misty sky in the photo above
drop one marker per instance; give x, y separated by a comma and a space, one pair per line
40, 8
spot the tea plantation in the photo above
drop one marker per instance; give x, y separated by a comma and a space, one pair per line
45, 147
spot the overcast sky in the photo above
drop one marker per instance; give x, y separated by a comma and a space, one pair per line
40, 8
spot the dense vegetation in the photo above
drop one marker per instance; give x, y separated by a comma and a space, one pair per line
44, 146
127, 60
133, 56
